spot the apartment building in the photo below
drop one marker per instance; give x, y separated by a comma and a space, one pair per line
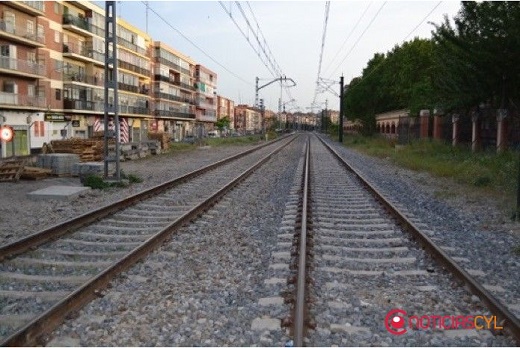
52, 60
24, 67
205, 99
248, 119
226, 108
173, 91
83, 74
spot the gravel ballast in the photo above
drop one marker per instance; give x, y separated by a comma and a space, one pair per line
475, 232
202, 288
21, 216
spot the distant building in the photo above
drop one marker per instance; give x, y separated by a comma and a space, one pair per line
205, 98
248, 119
226, 107
334, 116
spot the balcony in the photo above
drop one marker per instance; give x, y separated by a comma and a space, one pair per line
22, 67
207, 117
131, 46
85, 105
184, 85
133, 68
203, 104
172, 65
83, 53
82, 78
21, 35
134, 110
76, 24
160, 95
22, 100
174, 114
34, 8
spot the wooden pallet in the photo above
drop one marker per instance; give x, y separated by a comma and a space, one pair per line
35, 173
11, 170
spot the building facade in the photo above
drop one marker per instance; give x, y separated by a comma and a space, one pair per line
226, 108
52, 76
248, 119
205, 99
173, 91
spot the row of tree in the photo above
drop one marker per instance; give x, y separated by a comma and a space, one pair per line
472, 62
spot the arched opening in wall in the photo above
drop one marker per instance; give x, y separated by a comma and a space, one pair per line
392, 129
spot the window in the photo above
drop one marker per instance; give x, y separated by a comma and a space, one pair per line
10, 87
10, 22
30, 90
56, 36
31, 57
4, 51
40, 33
57, 8
58, 94
30, 29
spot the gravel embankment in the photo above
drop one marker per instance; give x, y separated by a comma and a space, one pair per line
202, 288
476, 229
20, 216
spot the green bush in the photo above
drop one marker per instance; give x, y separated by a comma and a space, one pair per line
134, 178
95, 182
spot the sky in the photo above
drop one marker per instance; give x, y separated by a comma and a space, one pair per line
291, 32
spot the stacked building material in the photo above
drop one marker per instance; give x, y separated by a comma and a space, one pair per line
10, 170
60, 163
163, 138
35, 173
87, 168
154, 146
87, 149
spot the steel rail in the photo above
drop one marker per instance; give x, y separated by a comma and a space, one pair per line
300, 304
92, 216
507, 319
30, 335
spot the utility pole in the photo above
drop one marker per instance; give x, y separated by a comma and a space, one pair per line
111, 85
340, 131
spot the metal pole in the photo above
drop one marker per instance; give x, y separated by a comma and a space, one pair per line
517, 213
340, 131
111, 84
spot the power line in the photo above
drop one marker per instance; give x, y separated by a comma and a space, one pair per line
191, 42
263, 52
262, 34
349, 35
325, 21
422, 21
359, 38
381, 63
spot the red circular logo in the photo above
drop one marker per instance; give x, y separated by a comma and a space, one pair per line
395, 321
6, 133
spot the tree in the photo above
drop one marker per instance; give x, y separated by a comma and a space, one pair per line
223, 123
400, 79
477, 59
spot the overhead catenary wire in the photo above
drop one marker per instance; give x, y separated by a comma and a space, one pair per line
195, 45
348, 36
381, 63
263, 51
324, 34
359, 38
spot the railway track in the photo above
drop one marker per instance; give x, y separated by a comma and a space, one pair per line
362, 271
51, 274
